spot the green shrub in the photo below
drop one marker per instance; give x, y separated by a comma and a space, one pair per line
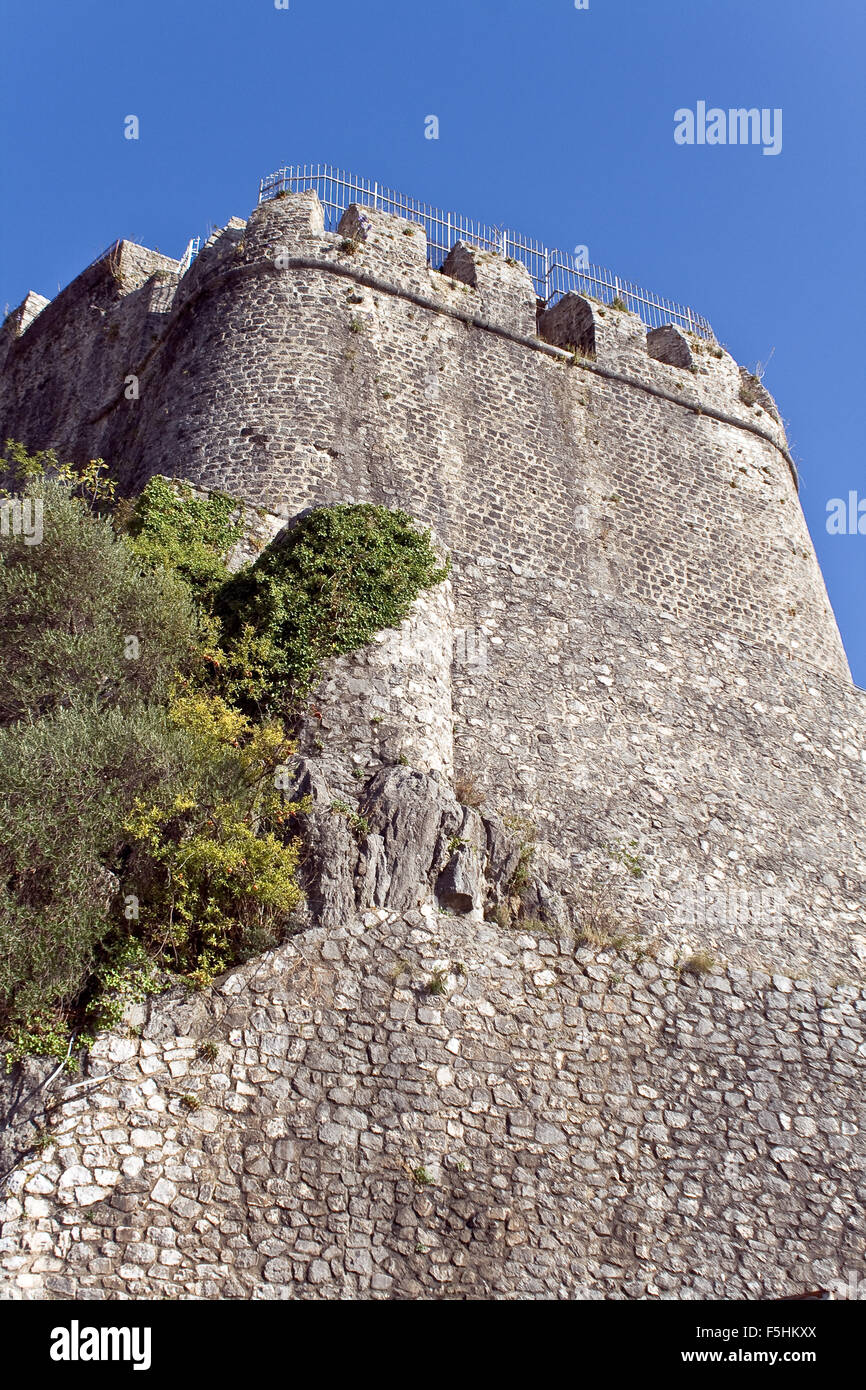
142, 838
341, 575
92, 735
127, 975
91, 484
173, 528
80, 619
66, 783
45, 1034
214, 864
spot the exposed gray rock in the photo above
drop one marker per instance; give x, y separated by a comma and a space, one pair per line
23, 1101
331, 849
503, 853
405, 840
413, 812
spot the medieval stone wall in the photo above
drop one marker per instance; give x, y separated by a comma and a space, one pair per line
640, 615
66, 367
634, 649
554, 1124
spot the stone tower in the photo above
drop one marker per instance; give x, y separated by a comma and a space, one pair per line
636, 648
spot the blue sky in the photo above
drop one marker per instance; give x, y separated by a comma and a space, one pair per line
553, 120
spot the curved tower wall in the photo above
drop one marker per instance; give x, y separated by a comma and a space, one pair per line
635, 650
644, 645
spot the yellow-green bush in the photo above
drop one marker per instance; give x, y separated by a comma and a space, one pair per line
211, 864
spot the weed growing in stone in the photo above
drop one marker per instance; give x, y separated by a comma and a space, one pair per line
42, 1140
701, 963
520, 878
628, 855
358, 823
468, 793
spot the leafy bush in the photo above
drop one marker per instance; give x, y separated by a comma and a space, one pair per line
81, 620
211, 863
341, 575
128, 975
91, 484
66, 783
173, 528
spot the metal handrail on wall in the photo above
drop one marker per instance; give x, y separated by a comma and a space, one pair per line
554, 272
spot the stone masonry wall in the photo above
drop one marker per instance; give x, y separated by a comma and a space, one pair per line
391, 700
555, 1124
635, 648
68, 370
640, 621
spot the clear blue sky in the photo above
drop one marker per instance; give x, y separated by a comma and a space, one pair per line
553, 120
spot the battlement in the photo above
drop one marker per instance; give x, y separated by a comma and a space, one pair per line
478, 286
553, 272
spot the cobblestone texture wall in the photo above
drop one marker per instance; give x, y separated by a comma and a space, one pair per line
555, 1124
391, 700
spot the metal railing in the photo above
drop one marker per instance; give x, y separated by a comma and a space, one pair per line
554, 272
189, 255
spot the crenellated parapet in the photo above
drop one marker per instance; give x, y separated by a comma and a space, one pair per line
121, 307
504, 291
